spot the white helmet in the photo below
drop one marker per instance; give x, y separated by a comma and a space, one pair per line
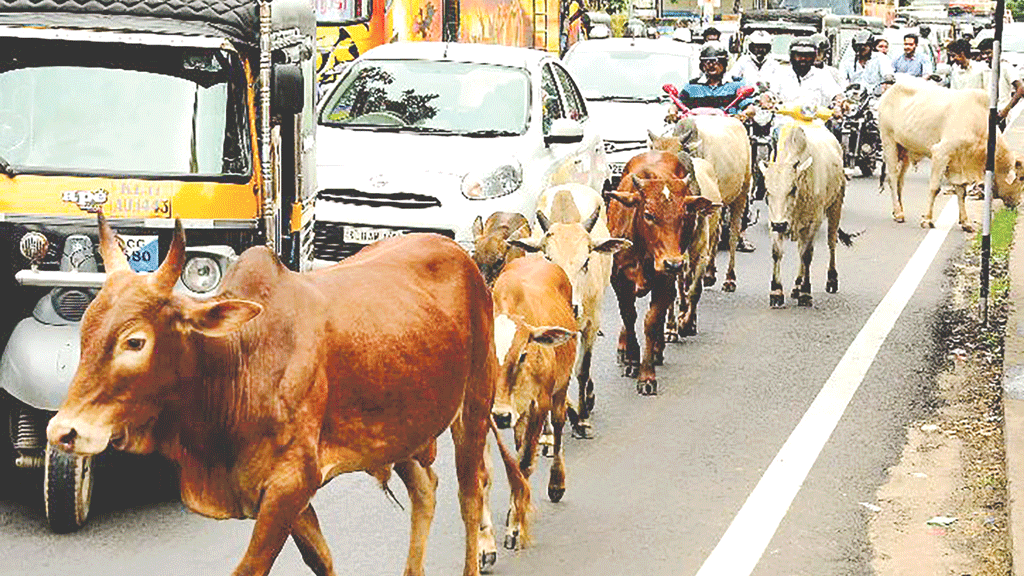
600, 31
760, 37
682, 35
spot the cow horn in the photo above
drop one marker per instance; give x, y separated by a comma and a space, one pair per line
166, 276
589, 223
637, 184
110, 251
543, 221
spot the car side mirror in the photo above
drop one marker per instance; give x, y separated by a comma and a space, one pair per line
287, 89
564, 131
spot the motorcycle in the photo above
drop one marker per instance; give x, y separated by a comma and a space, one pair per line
857, 131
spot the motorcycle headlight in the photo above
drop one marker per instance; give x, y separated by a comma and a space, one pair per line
201, 274
495, 183
763, 117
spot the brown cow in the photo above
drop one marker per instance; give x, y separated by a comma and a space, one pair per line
534, 327
654, 209
284, 380
492, 242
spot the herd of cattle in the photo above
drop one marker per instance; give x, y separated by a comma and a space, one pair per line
284, 380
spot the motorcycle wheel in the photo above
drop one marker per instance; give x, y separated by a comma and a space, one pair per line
67, 489
867, 167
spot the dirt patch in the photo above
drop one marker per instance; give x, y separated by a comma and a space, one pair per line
943, 510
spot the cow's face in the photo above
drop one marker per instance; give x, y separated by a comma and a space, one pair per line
134, 351
522, 359
572, 248
665, 217
491, 250
782, 181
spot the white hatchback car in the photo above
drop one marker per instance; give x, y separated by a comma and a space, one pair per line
621, 79
425, 137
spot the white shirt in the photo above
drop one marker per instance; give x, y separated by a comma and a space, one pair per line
747, 71
971, 77
1007, 74
816, 87
870, 74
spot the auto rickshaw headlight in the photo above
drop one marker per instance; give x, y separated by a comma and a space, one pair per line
34, 247
201, 274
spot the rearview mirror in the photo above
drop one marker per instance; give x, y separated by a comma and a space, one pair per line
286, 89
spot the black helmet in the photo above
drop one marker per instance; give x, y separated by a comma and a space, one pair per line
803, 45
820, 41
714, 51
862, 37
924, 31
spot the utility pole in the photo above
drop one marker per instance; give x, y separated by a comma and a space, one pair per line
990, 162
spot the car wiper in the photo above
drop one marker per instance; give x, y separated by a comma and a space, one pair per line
6, 167
488, 133
426, 130
623, 99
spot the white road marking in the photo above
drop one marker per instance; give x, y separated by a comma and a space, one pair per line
744, 542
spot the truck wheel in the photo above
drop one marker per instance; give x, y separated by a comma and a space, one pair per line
67, 489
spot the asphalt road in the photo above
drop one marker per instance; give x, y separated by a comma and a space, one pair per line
656, 489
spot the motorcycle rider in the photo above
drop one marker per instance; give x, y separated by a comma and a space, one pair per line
756, 67
866, 67
801, 82
822, 58
711, 89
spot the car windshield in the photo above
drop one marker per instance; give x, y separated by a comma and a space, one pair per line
430, 97
628, 74
117, 110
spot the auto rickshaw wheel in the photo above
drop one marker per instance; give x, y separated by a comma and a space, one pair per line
67, 489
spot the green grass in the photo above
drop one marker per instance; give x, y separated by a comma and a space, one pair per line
1001, 231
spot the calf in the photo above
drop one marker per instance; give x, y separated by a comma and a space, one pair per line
533, 326
282, 381
805, 184
583, 250
493, 239
919, 119
653, 209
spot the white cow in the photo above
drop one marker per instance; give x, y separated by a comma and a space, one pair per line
722, 141
573, 232
805, 184
919, 119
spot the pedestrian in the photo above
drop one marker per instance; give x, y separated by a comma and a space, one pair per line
882, 45
964, 73
867, 67
1011, 88
910, 62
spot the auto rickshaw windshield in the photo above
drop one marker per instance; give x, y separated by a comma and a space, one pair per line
119, 110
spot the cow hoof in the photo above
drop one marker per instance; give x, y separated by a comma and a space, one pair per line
832, 286
512, 540
487, 559
709, 280
777, 299
647, 387
689, 329
671, 335
555, 494
729, 286
581, 431
631, 370
590, 400
804, 300
795, 293
926, 223
967, 228
898, 218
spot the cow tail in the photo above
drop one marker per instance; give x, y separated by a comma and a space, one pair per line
847, 239
518, 484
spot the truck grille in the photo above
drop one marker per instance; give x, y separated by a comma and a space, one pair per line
360, 198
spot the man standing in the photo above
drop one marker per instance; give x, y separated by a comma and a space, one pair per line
1011, 89
964, 73
867, 67
910, 62
756, 67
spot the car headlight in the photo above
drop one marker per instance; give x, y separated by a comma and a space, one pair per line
501, 181
201, 274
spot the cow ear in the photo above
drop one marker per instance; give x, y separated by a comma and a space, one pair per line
628, 199
522, 232
700, 205
221, 318
612, 245
478, 227
528, 244
550, 335
804, 164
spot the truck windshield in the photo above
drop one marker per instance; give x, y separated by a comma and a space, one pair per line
430, 97
123, 110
